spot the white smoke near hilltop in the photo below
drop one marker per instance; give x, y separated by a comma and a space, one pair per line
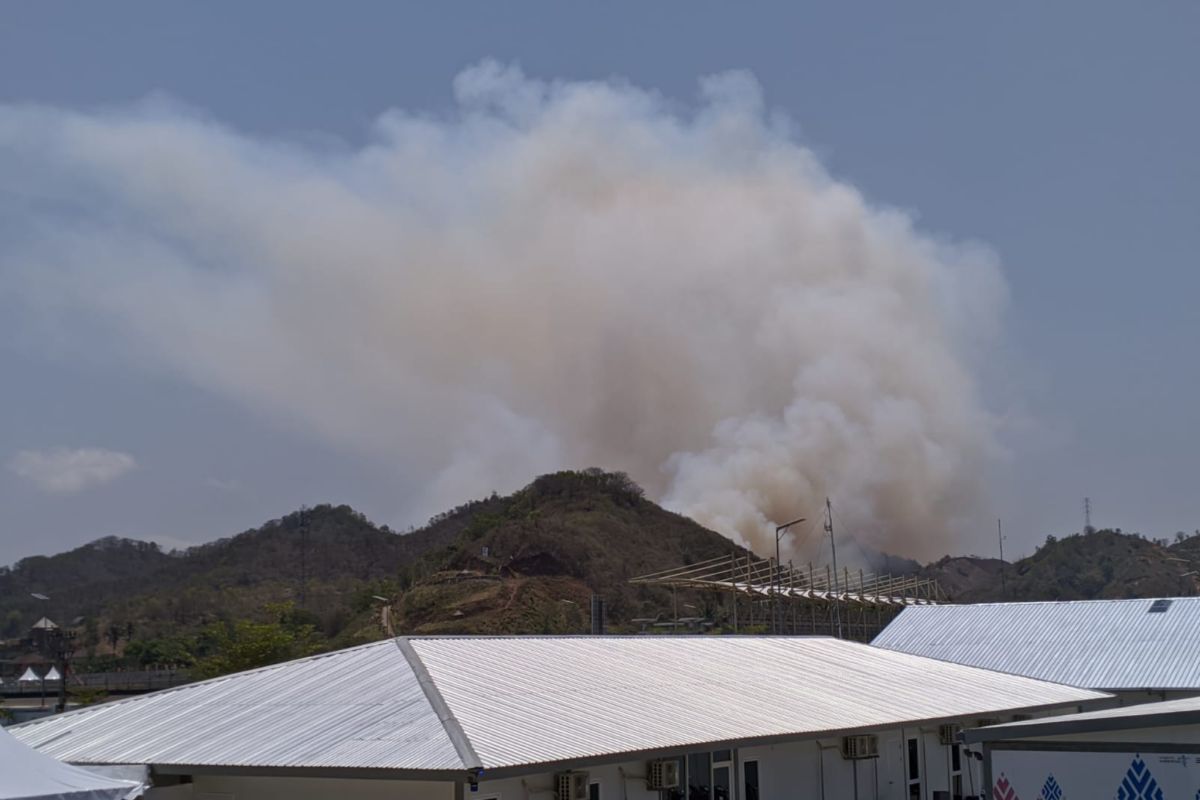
557, 274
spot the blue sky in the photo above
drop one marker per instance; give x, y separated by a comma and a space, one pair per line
1061, 137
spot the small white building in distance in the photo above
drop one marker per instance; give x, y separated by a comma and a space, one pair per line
1139, 650
1150, 750
570, 718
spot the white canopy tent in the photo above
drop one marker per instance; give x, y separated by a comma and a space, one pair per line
26, 774
29, 676
52, 675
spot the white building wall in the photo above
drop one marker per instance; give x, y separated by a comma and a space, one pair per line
807, 770
1090, 774
180, 792
816, 769
230, 787
624, 781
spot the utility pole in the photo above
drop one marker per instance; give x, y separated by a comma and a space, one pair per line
385, 615
58, 645
837, 600
1003, 571
597, 615
303, 557
779, 531
733, 588
65, 644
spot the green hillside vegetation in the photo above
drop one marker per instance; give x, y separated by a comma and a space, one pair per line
525, 563
531, 562
308, 581
1098, 564
93, 575
310, 574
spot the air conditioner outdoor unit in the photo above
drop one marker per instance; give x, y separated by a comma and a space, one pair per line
571, 786
662, 775
948, 734
856, 747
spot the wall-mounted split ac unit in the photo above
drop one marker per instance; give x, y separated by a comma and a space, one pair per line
571, 786
864, 746
948, 734
662, 775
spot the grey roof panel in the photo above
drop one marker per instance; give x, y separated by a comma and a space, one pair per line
525, 701
538, 700
1184, 711
356, 708
1098, 644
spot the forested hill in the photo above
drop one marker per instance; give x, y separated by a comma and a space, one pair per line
523, 563
322, 558
319, 569
1098, 564
530, 562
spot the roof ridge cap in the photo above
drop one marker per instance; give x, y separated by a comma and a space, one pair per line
450, 724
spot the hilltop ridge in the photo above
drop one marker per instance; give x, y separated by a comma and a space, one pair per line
1081, 566
522, 563
563, 536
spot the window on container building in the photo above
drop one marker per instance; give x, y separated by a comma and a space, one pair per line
722, 775
680, 792
750, 780
956, 778
699, 776
914, 769
594, 790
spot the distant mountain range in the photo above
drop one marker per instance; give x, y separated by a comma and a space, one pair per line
527, 562
1097, 564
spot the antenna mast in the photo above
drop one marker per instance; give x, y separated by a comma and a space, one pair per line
1003, 577
1087, 515
837, 595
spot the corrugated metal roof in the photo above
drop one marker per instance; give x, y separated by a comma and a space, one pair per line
534, 700
521, 701
356, 708
1165, 711
1099, 644
1185, 711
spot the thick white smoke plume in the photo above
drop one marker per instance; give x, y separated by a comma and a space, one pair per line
555, 275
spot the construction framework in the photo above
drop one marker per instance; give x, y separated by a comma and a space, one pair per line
764, 596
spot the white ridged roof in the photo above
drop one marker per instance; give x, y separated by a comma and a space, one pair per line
1139, 716
1099, 644
450, 704
356, 708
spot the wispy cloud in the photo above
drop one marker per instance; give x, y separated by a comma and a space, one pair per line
64, 470
223, 485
